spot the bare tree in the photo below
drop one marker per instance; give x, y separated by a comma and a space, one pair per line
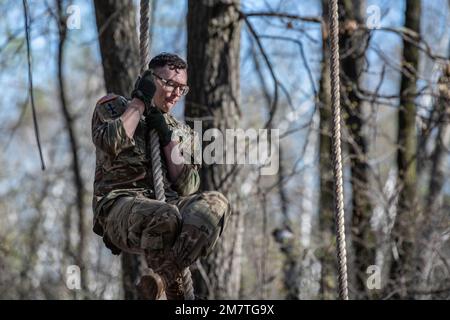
407, 211
354, 42
282, 235
213, 59
327, 257
429, 236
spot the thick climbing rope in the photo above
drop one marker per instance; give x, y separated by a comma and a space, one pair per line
154, 139
336, 146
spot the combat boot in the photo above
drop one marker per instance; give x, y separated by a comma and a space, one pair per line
150, 287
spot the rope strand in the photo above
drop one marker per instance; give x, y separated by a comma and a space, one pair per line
337, 156
154, 140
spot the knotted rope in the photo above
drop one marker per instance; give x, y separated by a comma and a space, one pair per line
154, 139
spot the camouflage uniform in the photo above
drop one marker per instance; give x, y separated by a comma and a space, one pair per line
171, 234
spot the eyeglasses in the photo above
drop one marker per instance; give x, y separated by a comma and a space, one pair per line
172, 85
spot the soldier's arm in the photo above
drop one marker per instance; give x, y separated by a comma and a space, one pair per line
131, 116
183, 174
188, 180
174, 160
108, 127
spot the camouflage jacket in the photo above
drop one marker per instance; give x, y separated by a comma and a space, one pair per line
123, 164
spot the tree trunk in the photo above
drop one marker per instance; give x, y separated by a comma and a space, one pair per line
116, 25
353, 43
73, 142
407, 213
326, 238
213, 59
429, 239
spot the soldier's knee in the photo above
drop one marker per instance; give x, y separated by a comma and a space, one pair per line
205, 219
161, 228
219, 206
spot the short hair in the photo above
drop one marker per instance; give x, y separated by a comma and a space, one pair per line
167, 59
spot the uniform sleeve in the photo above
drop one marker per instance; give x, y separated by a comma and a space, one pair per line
108, 132
188, 181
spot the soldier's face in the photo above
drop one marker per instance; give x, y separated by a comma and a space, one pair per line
166, 96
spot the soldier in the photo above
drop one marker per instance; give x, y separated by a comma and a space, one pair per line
171, 234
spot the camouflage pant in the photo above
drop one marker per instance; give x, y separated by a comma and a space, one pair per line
169, 234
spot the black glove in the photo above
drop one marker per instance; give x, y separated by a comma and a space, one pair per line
155, 120
144, 88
